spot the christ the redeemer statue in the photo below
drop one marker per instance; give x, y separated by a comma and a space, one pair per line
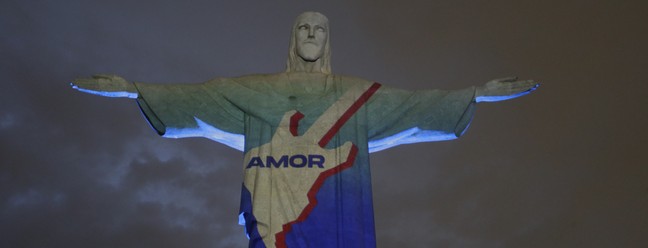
306, 134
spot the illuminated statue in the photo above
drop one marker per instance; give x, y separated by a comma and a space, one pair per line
306, 134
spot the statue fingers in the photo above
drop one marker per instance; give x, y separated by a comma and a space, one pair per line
102, 76
87, 85
109, 77
525, 85
84, 83
506, 79
110, 86
509, 79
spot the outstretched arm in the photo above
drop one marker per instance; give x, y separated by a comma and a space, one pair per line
106, 85
504, 89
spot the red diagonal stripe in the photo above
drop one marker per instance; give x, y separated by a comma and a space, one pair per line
348, 113
280, 238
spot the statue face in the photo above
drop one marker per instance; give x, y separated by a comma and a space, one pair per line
311, 34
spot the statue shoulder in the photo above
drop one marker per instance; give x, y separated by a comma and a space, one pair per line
239, 80
260, 77
346, 79
255, 80
247, 79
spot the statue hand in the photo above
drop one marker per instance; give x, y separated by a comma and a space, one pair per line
106, 85
504, 89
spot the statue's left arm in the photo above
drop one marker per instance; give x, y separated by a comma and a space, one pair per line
398, 117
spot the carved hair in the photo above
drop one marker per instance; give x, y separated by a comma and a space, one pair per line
295, 62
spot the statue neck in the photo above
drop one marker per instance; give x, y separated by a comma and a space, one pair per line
307, 66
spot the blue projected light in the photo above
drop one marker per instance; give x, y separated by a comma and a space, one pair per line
232, 140
506, 97
106, 93
409, 136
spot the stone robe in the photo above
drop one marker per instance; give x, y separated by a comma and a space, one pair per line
306, 139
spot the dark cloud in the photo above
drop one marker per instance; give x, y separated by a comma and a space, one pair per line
563, 167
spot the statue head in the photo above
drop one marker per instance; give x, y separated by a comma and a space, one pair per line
309, 49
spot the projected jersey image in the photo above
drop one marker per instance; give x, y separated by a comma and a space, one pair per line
306, 135
307, 138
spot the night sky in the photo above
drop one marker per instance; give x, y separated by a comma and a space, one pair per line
566, 166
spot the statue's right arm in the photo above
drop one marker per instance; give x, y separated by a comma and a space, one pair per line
106, 85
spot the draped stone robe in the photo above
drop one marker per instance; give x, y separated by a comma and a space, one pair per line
306, 139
